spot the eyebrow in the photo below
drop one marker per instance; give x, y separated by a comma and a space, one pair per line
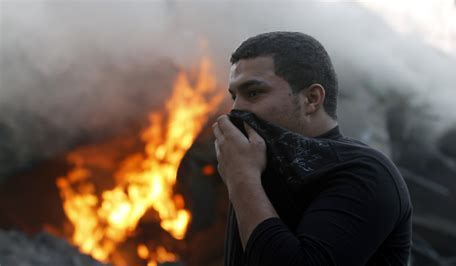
248, 83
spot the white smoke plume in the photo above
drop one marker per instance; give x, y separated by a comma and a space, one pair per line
71, 70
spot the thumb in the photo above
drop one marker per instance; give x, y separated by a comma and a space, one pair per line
252, 134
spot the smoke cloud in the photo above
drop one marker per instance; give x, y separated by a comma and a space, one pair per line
77, 71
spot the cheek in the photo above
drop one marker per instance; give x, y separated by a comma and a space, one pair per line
277, 109
268, 109
286, 114
276, 112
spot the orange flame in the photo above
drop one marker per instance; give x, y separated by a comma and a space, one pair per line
161, 255
143, 181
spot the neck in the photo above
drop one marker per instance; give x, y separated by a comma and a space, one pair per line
317, 127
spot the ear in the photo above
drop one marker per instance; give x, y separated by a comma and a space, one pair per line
313, 96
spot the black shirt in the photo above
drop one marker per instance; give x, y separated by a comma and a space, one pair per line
356, 211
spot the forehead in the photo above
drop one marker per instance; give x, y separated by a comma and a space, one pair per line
259, 68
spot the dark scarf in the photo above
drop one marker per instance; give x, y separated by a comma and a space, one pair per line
293, 162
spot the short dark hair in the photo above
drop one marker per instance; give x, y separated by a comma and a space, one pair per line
298, 58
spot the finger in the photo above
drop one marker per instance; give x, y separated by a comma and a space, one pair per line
253, 135
217, 149
217, 132
228, 128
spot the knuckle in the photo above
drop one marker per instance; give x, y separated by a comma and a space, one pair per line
258, 143
221, 118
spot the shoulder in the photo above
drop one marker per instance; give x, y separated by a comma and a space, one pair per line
370, 175
360, 158
359, 206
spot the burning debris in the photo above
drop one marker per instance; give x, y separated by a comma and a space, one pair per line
42, 250
103, 217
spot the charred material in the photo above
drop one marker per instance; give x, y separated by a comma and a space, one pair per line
43, 249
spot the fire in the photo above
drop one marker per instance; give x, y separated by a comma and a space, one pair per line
159, 256
103, 220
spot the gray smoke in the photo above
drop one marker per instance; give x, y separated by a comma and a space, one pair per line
76, 71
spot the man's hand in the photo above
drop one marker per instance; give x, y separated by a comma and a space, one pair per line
241, 160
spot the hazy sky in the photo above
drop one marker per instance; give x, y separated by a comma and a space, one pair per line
434, 20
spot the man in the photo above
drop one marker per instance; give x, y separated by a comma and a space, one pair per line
356, 212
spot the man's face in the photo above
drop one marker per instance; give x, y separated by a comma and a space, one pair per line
255, 88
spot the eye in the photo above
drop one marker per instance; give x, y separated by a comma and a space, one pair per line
252, 94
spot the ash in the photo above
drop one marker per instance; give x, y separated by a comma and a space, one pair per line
18, 249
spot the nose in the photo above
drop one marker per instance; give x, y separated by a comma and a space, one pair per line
239, 104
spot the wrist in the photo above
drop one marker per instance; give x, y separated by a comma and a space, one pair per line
245, 186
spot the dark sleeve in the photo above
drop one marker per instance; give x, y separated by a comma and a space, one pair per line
343, 225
